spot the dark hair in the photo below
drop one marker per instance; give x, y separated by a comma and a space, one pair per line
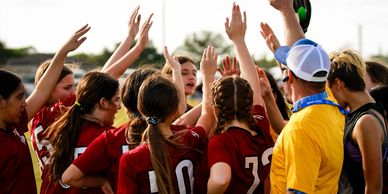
349, 67
9, 82
380, 94
182, 59
280, 102
43, 67
377, 72
129, 95
233, 98
158, 99
64, 133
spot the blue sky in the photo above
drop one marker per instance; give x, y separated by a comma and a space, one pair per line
46, 24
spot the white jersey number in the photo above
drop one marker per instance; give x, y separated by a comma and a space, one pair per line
179, 175
255, 165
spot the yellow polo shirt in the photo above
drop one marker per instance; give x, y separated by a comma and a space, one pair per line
308, 154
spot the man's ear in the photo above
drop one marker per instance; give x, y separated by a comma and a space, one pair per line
290, 76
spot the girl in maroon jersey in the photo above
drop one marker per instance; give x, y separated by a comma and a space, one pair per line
63, 95
239, 153
165, 157
108, 147
93, 113
17, 174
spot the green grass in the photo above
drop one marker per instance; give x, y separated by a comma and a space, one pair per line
34, 162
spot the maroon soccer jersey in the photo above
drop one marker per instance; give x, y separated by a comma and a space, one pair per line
136, 173
89, 132
41, 121
102, 156
248, 156
16, 171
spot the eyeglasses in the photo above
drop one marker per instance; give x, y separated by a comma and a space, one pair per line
286, 79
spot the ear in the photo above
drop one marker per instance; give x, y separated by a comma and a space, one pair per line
338, 84
290, 75
104, 103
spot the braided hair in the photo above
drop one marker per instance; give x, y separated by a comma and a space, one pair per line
232, 99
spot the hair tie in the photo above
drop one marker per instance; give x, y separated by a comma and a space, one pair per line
136, 115
77, 103
153, 120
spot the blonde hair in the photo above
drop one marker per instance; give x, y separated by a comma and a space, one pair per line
349, 67
349, 58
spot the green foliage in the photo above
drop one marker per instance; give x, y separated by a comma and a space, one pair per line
7, 53
265, 63
93, 60
381, 58
148, 56
195, 43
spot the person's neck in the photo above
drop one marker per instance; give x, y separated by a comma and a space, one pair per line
357, 99
96, 116
242, 125
301, 92
165, 128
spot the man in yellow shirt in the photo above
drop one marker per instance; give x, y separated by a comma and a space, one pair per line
308, 154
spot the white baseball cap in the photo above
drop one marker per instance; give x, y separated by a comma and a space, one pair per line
306, 59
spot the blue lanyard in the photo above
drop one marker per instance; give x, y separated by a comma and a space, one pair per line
316, 99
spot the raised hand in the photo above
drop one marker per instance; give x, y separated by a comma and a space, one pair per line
282, 5
75, 40
208, 64
228, 68
134, 22
236, 28
177, 79
265, 86
208, 68
269, 37
144, 38
293, 30
171, 61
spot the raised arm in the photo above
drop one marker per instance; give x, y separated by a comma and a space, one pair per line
229, 69
235, 29
190, 118
177, 78
207, 120
119, 67
293, 32
133, 29
274, 116
269, 36
49, 79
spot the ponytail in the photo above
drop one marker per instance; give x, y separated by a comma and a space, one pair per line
160, 158
135, 130
64, 134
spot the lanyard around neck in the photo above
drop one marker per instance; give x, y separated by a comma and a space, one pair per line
316, 99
